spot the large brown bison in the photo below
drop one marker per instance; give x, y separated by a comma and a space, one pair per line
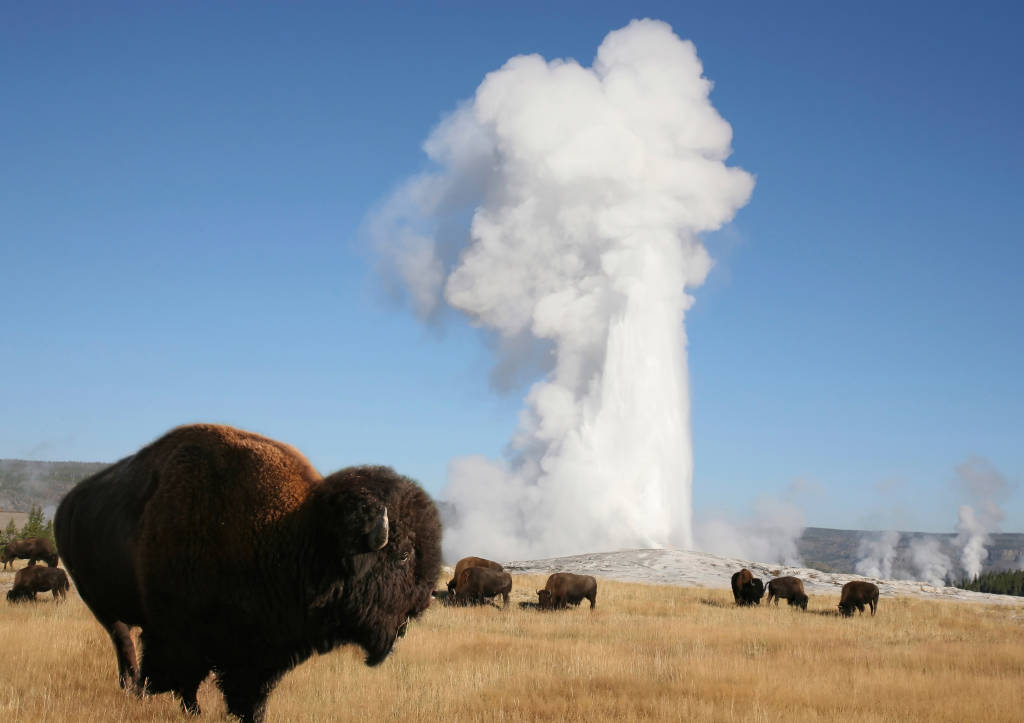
31, 549
234, 555
566, 588
857, 594
789, 588
470, 562
477, 583
35, 579
747, 589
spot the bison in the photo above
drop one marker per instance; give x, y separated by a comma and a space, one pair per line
31, 549
233, 554
470, 562
790, 588
857, 594
564, 588
477, 583
747, 589
31, 580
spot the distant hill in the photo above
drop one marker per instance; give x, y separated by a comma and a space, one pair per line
838, 550
24, 482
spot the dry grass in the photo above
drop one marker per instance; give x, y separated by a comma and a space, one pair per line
646, 653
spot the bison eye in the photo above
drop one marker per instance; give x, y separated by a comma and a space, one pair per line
404, 557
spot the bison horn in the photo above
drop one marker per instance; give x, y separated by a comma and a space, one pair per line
377, 538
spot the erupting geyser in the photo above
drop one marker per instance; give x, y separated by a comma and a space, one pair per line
584, 190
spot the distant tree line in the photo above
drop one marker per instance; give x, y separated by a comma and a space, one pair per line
1000, 582
36, 526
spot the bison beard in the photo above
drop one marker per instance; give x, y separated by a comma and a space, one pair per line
235, 556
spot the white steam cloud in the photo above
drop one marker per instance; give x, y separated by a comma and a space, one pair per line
770, 534
931, 563
988, 489
877, 556
584, 189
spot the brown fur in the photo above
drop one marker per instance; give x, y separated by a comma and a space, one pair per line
857, 594
789, 588
477, 583
31, 549
566, 588
470, 562
233, 554
747, 589
36, 579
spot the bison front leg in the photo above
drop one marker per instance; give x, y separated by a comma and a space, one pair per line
246, 690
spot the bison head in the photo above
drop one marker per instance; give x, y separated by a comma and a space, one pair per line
385, 535
15, 595
845, 610
799, 599
544, 599
754, 591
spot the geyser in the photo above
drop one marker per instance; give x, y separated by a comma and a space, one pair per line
584, 190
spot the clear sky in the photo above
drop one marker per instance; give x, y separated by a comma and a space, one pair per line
183, 189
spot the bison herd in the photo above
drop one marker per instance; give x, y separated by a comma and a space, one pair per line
748, 590
477, 580
233, 555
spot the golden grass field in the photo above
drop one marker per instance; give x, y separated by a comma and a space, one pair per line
645, 653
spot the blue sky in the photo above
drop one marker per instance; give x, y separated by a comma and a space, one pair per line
183, 187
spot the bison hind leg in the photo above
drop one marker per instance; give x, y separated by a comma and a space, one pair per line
124, 649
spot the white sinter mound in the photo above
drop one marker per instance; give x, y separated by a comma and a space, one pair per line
699, 569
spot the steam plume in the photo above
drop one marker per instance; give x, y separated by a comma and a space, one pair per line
931, 563
878, 555
988, 489
586, 188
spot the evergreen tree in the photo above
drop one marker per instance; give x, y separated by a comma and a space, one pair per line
37, 526
9, 534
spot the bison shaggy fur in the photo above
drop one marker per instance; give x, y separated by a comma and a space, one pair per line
789, 588
235, 556
477, 583
747, 589
31, 549
35, 579
566, 588
857, 594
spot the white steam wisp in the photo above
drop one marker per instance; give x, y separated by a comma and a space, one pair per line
878, 555
585, 189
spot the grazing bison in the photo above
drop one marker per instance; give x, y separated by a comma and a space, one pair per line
31, 549
477, 583
470, 562
790, 588
747, 589
31, 580
564, 588
857, 594
234, 555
